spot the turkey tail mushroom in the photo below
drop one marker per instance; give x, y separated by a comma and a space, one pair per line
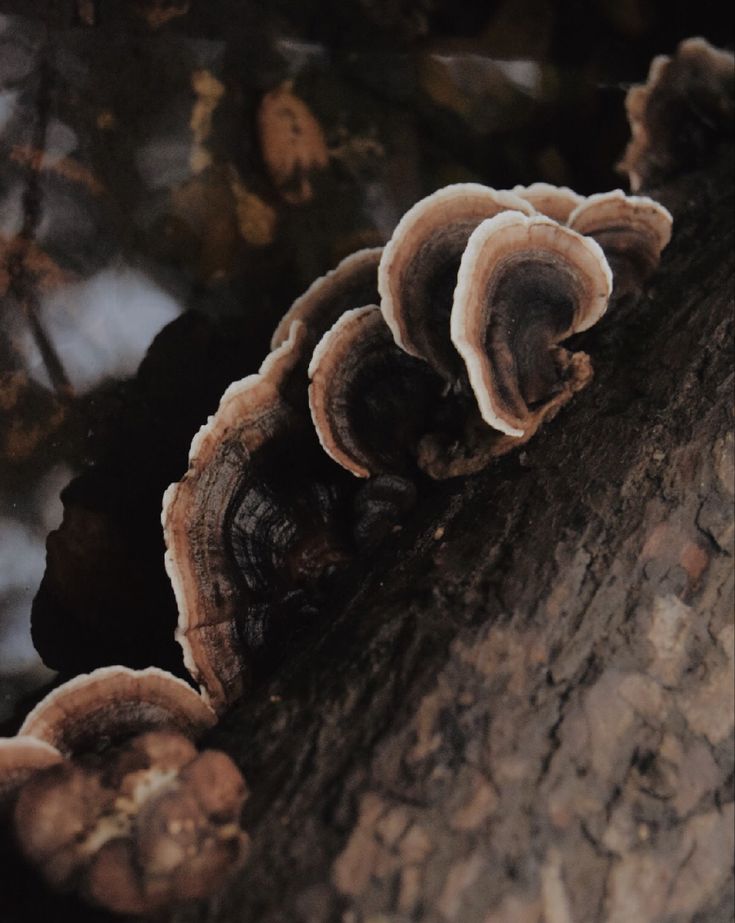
418, 269
361, 387
112, 703
678, 116
557, 202
255, 525
524, 285
352, 282
632, 231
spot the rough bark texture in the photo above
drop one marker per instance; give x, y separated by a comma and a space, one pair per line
525, 712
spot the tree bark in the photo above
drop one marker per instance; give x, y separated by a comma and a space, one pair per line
521, 709
524, 711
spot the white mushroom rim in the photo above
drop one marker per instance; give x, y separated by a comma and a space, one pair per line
393, 252
100, 702
652, 214
317, 391
321, 288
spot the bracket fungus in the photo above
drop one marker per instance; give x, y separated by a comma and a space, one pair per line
524, 285
557, 202
149, 824
361, 387
93, 709
418, 269
254, 527
632, 231
352, 283
686, 105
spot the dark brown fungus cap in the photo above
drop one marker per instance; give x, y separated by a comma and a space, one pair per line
143, 827
557, 202
354, 281
254, 526
21, 758
383, 414
370, 401
111, 703
677, 117
632, 231
418, 269
524, 285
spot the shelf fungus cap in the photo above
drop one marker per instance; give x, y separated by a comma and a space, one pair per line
632, 231
251, 530
680, 113
557, 202
353, 282
193, 517
112, 703
418, 269
524, 285
368, 398
20, 758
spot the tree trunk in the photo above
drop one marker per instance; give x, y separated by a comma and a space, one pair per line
524, 712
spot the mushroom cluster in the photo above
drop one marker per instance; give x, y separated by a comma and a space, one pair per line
113, 799
423, 359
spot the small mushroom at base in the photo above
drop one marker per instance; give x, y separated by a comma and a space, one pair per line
146, 826
524, 285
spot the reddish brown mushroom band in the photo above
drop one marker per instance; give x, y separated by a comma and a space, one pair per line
422, 360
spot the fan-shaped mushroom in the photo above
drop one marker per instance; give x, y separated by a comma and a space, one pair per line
418, 269
676, 118
524, 285
557, 202
353, 282
362, 386
112, 703
632, 231
254, 526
